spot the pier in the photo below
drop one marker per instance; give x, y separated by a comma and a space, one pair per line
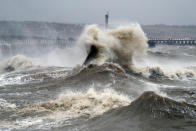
180, 42
26, 46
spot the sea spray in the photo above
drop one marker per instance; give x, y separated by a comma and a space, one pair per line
15, 63
121, 45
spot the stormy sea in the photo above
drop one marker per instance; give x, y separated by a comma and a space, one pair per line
108, 80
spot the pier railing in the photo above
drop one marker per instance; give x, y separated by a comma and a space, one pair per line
32, 45
181, 42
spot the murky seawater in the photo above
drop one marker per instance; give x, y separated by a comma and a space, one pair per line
158, 93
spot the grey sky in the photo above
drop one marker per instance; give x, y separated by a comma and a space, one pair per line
92, 11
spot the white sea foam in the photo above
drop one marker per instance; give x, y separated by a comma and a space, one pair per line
90, 103
15, 63
5, 105
120, 43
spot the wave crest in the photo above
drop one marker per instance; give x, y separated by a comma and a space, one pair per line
156, 72
15, 63
118, 44
90, 103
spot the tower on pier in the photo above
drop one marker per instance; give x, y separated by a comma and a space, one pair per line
106, 19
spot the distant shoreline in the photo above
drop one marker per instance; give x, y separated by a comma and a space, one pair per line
54, 30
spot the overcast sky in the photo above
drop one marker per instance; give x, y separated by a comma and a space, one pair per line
171, 12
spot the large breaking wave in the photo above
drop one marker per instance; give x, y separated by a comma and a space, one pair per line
116, 44
122, 45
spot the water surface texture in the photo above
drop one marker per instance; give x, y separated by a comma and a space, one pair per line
122, 85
